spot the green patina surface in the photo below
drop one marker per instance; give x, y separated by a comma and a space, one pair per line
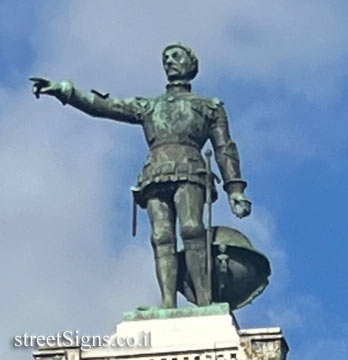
152, 313
174, 185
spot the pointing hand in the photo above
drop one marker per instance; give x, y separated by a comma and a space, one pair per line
44, 86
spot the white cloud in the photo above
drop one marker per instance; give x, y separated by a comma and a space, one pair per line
301, 45
60, 266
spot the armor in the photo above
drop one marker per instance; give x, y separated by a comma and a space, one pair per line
176, 126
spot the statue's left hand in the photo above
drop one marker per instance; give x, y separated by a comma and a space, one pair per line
240, 205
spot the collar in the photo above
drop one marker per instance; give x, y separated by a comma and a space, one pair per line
178, 86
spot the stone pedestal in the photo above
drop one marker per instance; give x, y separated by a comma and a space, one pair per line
206, 333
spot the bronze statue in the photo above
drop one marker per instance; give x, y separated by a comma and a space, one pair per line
172, 183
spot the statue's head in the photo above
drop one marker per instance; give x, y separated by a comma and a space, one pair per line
179, 62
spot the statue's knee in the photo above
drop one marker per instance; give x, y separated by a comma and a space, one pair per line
196, 244
192, 231
163, 238
164, 250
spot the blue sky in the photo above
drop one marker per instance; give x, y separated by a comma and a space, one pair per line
68, 261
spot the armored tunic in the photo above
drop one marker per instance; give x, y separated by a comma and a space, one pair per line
176, 127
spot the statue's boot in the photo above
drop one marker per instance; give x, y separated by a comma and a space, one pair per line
167, 270
196, 259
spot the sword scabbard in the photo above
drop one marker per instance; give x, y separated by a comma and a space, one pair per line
209, 238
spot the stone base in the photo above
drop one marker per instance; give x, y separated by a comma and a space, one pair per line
205, 333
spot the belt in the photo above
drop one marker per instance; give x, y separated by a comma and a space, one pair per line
181, 142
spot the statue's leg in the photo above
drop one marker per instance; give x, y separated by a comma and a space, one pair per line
189, 204
162, 219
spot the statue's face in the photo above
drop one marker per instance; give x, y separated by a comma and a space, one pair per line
176, 63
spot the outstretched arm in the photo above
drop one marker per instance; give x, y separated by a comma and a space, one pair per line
227, 158
93, 103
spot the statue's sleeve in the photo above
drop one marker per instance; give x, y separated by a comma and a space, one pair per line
225, 149
97, 104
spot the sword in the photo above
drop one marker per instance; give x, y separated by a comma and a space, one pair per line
134, 211
134, 219
209, 237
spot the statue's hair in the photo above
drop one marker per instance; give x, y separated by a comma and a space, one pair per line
193, 70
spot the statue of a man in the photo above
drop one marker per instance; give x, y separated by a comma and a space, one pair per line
172, 183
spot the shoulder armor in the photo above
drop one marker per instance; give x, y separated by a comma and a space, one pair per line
103, 96
217, 102
214, 103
